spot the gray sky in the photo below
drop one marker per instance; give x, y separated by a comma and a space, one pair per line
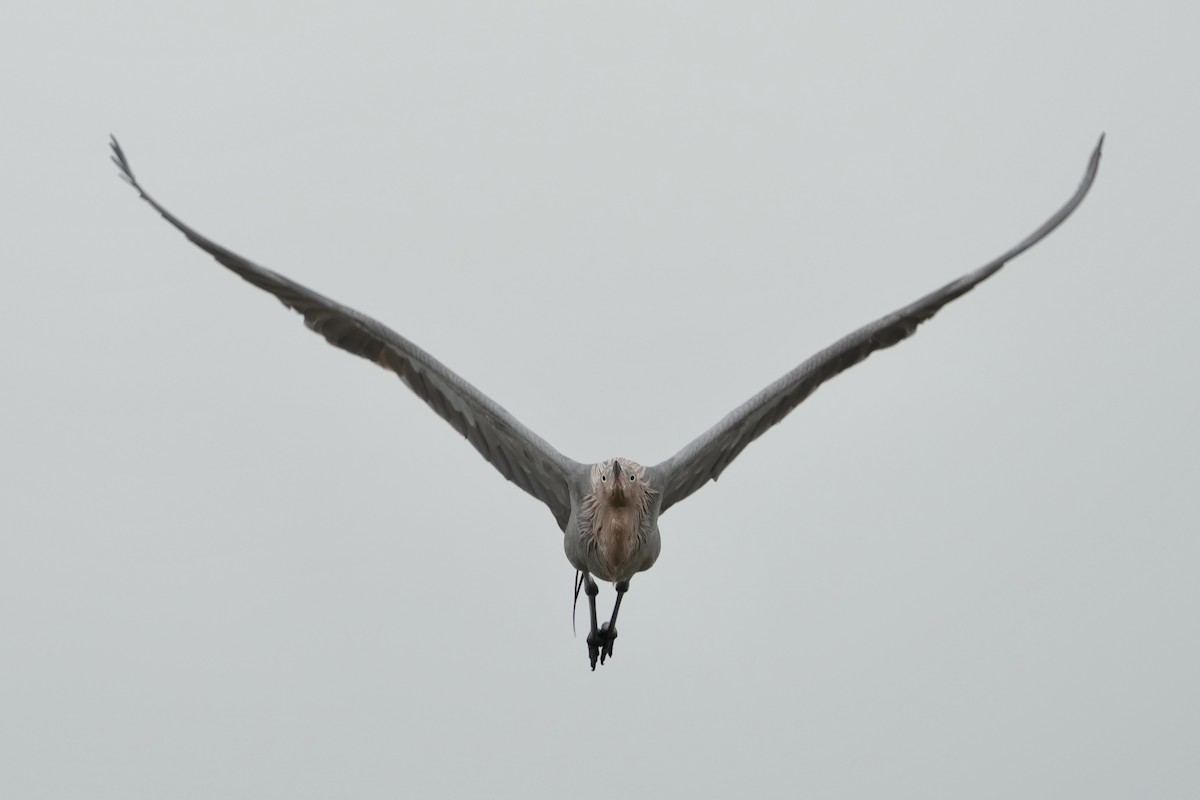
238, 563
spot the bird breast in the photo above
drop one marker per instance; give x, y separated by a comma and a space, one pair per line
614, 530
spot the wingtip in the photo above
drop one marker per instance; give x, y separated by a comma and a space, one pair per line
118, 158
1093, 167
1094, 161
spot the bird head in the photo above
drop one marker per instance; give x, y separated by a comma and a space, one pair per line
619, 481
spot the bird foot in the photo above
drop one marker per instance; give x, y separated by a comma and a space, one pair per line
608, 635
600, 644
594, 641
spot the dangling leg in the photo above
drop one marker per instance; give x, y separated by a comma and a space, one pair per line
608, 631
593, 640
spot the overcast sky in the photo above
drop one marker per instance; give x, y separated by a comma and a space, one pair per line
238, 563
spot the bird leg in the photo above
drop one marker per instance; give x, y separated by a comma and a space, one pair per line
608, 631
593, 640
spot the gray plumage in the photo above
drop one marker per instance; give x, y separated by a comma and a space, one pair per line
609, 511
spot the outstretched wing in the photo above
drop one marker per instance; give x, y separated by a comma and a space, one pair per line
515, 451
707, 457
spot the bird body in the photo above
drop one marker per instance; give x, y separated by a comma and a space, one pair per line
608, 511
613, 531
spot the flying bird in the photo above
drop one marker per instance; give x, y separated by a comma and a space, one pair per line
608, 511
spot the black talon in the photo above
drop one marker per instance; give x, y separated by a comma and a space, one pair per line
593, 641
608, 635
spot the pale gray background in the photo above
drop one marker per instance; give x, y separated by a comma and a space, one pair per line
237, 563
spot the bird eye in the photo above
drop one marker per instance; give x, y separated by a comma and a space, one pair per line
632, 478
604, 477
